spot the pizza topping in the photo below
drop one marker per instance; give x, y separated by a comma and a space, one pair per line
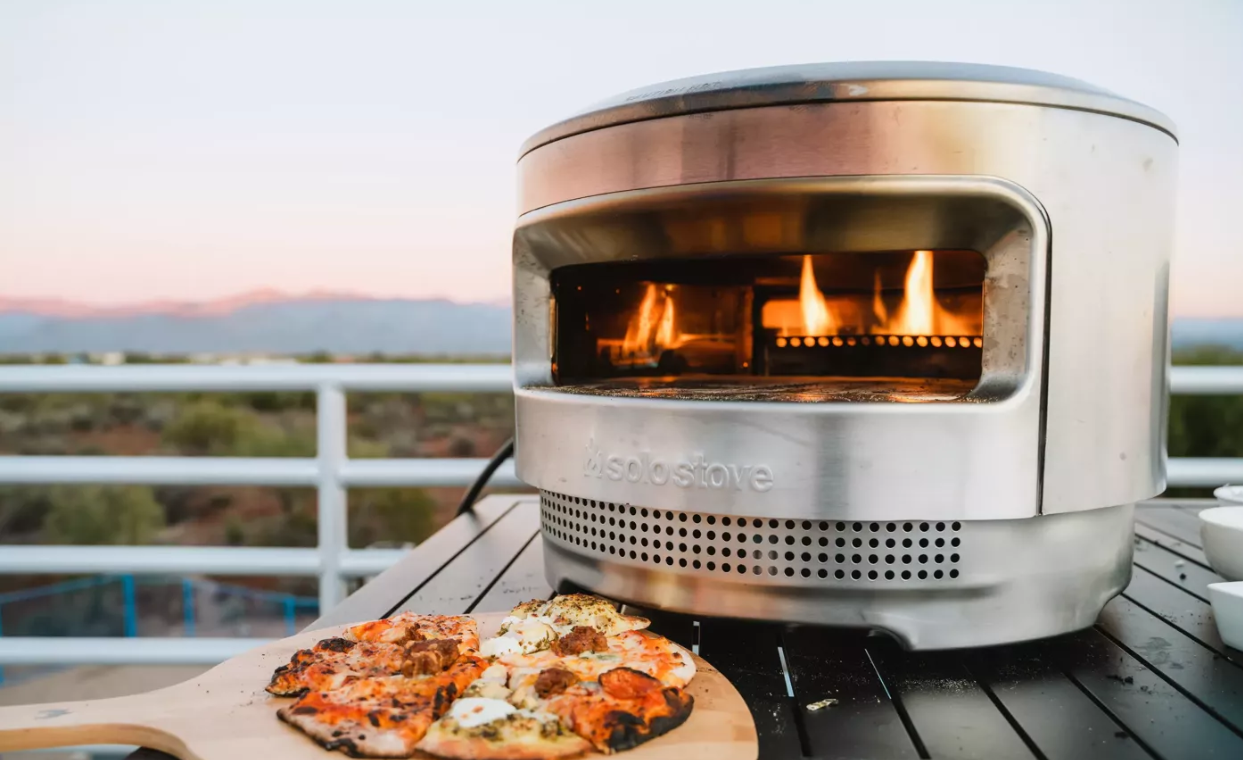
495, 672
469, 712
625, 683
523, 637
580, 639
500, 646
428, 657
524, 611
488, 690
571, 610
408, 627
553, 681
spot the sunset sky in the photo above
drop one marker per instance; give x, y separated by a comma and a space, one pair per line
194, 150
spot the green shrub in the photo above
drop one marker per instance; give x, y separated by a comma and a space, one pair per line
99, 515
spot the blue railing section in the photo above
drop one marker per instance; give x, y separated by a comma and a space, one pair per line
112, 605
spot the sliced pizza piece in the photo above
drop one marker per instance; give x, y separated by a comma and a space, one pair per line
622, 710
385, 716
409, 626
565, 612
483, 728
332, 663
587, 654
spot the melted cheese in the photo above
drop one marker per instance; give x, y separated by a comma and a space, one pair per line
499, 646
469, 712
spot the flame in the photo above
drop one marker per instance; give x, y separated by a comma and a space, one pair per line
919, 313
639, 332
878, 304
817, 319
666, 333
652, 329
915, 315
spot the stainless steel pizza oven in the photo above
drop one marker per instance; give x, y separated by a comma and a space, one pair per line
875, 345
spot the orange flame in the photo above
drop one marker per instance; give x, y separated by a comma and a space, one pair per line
918, 313
639, 332
915, 315
666, 333
878, 304
817, 319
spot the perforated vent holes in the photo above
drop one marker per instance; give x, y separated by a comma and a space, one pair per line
752, 546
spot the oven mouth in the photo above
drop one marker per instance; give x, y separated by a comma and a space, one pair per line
899, 326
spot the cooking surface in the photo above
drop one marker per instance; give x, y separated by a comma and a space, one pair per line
1151, 679
798, 390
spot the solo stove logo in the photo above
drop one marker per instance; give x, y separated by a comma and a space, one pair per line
693, 472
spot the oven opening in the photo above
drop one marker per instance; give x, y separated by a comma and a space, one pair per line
889, 326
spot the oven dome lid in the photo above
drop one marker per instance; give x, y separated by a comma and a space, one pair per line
854, 81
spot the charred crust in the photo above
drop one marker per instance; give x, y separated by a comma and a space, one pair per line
627, 731
444, 697
304, 710
344, 743
373, 718
337, 644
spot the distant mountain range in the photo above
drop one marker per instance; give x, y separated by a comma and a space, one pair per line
269, 321
259, 322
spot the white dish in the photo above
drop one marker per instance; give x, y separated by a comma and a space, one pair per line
1229, 495
1227, 600
1221, 532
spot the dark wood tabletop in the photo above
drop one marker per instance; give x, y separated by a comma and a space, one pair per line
1151, 679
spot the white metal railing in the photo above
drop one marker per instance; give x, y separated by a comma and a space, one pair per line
331, 472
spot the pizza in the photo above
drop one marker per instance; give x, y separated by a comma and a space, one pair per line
562, 678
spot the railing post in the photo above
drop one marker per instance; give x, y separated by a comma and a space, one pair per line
291, 618
331, 516
187, 605
131, 605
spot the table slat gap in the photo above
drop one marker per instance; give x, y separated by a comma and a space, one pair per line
500, 575
1143, 701
1172, 544
1219, 705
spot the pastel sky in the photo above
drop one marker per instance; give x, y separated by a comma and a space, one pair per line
194, 150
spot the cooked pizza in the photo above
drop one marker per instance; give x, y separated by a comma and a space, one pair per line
332, 663
383, 716
409, 626
487, 728
622, 709
562, 678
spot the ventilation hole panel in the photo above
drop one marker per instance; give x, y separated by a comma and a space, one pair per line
883, 553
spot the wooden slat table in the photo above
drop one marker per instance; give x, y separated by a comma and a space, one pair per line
1151, 679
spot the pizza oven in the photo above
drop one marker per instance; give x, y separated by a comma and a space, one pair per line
873, 345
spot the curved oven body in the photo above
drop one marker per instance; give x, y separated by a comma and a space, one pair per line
958, 479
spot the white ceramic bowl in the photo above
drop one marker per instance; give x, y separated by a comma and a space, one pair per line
1229, 495
1221, 532
1227, 600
